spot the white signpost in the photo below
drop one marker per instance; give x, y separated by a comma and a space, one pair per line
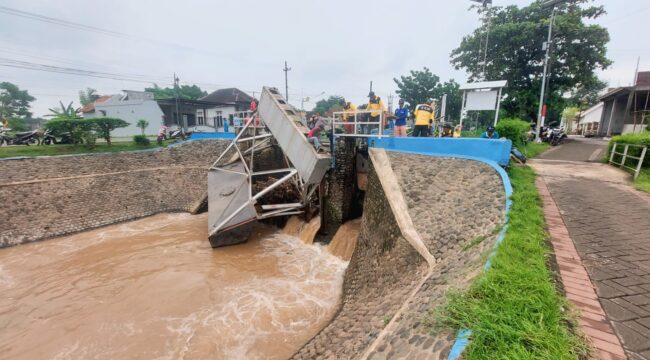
482, 96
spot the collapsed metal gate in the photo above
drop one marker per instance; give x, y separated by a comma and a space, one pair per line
241, 177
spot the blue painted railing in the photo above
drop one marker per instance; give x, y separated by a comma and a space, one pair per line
494, 150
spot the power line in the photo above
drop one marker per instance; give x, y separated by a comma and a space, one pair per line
117, 34
51, 20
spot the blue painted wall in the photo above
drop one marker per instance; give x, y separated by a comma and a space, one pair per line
494, 150
212, 135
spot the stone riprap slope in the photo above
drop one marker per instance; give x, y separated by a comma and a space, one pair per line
389, 290
194, 153
382, 272
451, 201
96, 190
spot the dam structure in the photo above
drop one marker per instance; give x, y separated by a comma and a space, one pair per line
410, 219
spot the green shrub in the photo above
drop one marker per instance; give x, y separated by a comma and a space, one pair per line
89, 138
104, 126
642, 139
142, 124
513, 129
141, 140
17, 125
76, 127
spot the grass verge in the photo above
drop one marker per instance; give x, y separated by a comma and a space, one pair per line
50, 150
532, 149
513, 309
643, 181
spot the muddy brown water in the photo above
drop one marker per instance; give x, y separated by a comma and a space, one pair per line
154, 289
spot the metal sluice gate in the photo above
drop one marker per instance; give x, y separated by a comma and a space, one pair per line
270, 154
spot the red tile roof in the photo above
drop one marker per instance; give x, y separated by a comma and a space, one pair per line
91, 107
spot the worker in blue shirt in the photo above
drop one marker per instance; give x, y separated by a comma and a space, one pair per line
490, 133
401, 114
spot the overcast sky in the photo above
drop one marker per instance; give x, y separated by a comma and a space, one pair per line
332, 46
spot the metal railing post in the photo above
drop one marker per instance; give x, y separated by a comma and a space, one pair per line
611, 156
638, 167
625, 154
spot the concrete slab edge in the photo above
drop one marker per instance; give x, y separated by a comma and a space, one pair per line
398, 205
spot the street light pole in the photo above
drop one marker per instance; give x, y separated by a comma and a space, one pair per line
541, 112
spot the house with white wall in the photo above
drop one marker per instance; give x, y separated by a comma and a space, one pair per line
129, 106
590, 119
232, 102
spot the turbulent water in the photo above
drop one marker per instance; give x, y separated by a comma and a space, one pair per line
154, 289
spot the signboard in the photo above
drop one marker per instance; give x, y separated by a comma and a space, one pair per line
481, 100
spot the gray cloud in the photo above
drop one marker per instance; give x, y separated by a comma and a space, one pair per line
333, 46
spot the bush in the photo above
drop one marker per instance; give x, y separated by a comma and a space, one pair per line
104, 125
513, 129
89, 138
141, 140
142, 124
642, 139
76, 127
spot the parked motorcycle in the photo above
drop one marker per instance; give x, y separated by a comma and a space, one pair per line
19, 138
556, 136
49, 138
174, 134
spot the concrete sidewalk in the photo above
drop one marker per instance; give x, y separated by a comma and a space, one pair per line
609, 223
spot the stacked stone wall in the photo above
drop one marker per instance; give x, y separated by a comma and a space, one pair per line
390, 293
382, 272
47, 197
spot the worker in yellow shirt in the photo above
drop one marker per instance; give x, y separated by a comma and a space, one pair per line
423, 114
375, 103
349, 109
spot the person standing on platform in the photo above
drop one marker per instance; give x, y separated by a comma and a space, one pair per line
349, 109
423, 119
401, 114
375, 104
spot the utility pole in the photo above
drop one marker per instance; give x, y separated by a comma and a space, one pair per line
178, 113
370, 85
286, 81
541, 113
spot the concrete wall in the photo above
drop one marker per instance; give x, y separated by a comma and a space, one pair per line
420, 215
382, 272
130, 111
46, 197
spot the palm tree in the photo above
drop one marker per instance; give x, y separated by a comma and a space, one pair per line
65, 112
142, 124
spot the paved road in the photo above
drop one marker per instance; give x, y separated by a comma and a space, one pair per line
609, 222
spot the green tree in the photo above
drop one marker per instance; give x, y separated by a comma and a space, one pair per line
14, 103
421, 86
87, 96
104, 125
65, 112
142, 124
515, 54
587, 94
330, 104
188, 92
17, 125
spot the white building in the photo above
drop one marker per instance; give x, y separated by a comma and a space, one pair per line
232, 102
590, 120
129, 106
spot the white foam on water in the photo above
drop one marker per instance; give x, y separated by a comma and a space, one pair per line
266, 309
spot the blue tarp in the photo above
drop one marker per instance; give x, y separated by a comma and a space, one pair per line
494, 150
